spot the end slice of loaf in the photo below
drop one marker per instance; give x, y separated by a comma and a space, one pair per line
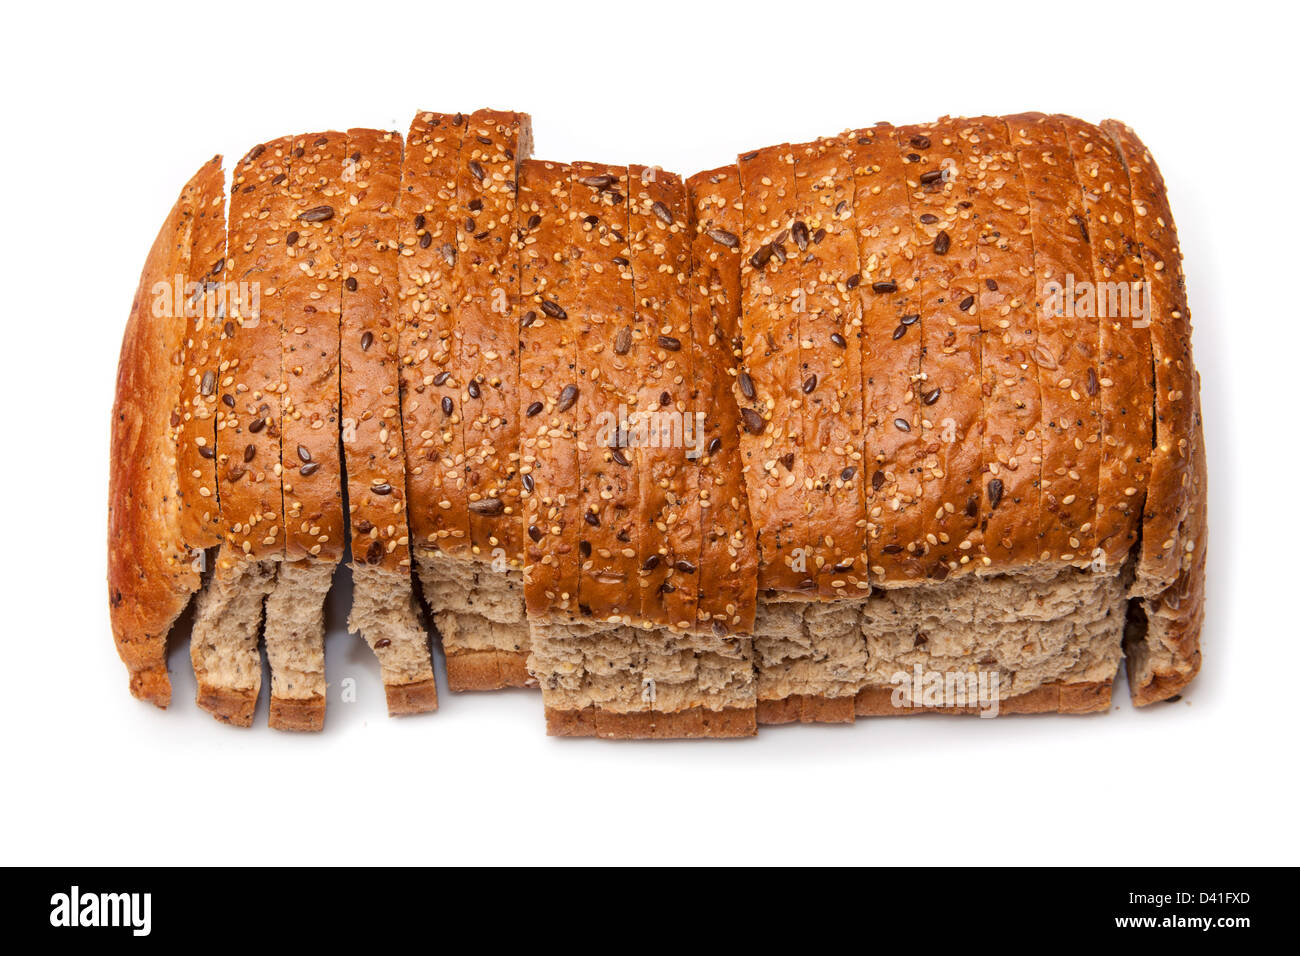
150, 572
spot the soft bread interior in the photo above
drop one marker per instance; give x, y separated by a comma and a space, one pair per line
224, 640
385, 614
1031, 630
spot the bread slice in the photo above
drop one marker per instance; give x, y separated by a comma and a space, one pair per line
1005, 294
1067, 343
951, 393
150, 572
609, 356
431, 417
1170, 576
256, 269
486, 341
224, 640
831, 368
309, 372
1169, 500
891, 294
664, 418
630, 678
311, 471
200, 409
1124, 344
728, 553
767, 386
383, 604
548, 358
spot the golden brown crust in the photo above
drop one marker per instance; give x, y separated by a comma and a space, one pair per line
514, 669
1004, 270
311, 472
728, 549
1124, 343
694, 722
1057, 697
485, 349
548, 358
227, 705
1169, 495
473, 670
806, 709
431, 417
370, 352
150, 577
830, 373
607, 380
1067, 342
306, 714
937, 156
571, 723
257, 266
890, 290
420, 697
199, 408
668, 494
767, 387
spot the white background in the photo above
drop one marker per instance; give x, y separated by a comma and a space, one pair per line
108, 112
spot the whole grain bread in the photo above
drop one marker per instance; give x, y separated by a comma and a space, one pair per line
199, 407
384, 609
150, 572
888, 390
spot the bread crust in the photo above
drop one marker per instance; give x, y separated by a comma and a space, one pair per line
608, 543
370, 352
228, 705
248, 439
487, 670
1174, 522
937, 173
1067, 344
668, 492
420, 697
306, 715
434, 438
150, 576
485, 351
200, 410
548, 358
311, 471
1011, 452
767, 386
1058, 697
1169, 498
806, 709
728, 549
890, 291
831, 373
1124, 344
691, 723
